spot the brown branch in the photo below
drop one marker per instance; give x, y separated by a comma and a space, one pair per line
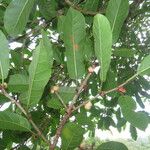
69, 112
86, 12
25, 113
61, 125
102, 93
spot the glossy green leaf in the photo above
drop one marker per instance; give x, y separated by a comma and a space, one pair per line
18, 83
12, 121
112, 145
124, 52
144, 68
137, 119
39, 72
116, 13
74, 36
16, 16
4, 56
72, 135
103, 42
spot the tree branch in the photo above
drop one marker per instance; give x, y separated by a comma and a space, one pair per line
25, 113
86, 12
102, 93
69, 111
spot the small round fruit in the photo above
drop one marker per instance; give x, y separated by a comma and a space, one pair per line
5, 85
90, 69
88, 105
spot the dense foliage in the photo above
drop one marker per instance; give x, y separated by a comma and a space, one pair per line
69, 67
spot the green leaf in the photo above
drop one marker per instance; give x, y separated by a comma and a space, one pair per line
133, 132
116, 13
124, 52
112, 145
103, 43
39, 72
16, 16
91, 5
74, 36
72, 135
18, 83
54, 103
88, 49
110, 82
66, 94
137, 119
4, 56
144, 68
60, 25
48, 8
12, 121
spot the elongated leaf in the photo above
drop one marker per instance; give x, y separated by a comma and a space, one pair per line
112, 145
12, 121
4, 56
16, 16
39, 72
74, 36
144, 68
137, 119
116, 13
72, 136
18, 83
133, 132
103, 43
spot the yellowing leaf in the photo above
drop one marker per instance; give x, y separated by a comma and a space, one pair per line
74, 36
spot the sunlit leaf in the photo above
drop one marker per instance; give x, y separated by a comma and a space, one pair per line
103, 42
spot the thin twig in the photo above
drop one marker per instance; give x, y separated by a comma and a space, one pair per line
102, 93
86, 12
61, 100
69, 113
26, 114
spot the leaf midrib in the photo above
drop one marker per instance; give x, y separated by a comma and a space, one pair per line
116, 16
20, 14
